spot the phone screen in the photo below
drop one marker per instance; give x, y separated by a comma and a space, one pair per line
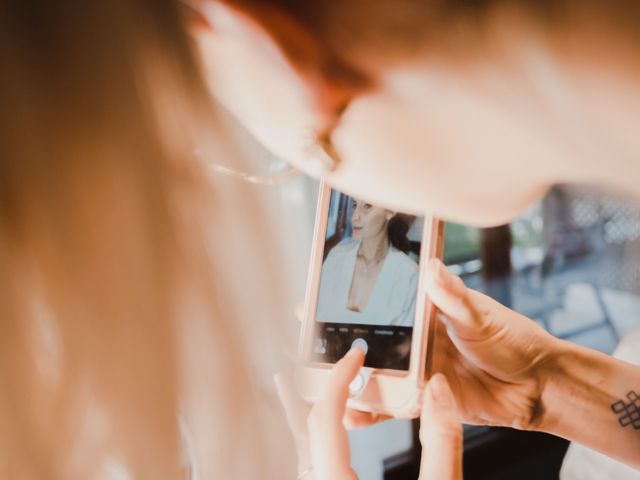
368, 283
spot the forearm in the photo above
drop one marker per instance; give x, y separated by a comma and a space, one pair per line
580, 388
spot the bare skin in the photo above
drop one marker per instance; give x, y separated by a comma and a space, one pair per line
524, 110
474, 138
505, 370
321, 440
364, 279
369, 224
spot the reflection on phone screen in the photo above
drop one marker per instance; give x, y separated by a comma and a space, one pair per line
368, 283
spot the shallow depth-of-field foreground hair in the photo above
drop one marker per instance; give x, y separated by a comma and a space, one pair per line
133, 287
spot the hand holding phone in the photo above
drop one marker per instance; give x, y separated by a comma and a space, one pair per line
365, 289
321, 439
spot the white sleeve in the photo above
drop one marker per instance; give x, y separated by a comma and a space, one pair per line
407, 317
327, 278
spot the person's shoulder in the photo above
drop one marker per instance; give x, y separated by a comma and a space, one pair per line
345, 247
403, 261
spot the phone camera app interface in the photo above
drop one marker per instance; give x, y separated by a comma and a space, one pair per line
368, 283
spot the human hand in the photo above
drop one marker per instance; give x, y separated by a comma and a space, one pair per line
321, 439
496, 359
440, 432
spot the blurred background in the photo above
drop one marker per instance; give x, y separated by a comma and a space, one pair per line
570, 263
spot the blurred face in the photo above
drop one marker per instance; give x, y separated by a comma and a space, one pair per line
464, 141
367, 221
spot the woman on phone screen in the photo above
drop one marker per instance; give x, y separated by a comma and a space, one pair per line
368, 279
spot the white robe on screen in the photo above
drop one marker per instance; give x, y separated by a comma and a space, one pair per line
393, 297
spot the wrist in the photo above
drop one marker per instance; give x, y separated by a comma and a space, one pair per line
580, 390
539, 382
553, 380
575, 380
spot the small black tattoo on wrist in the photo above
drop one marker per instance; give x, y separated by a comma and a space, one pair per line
628, 412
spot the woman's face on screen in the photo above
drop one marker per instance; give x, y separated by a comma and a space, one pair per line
368, 221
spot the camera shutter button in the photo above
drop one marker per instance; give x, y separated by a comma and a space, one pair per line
362, 343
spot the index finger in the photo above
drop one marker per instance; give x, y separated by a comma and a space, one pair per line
334, 397
328, 438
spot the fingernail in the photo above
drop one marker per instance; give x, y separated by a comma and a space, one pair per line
439, 389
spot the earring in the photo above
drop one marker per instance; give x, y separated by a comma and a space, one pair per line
319, 154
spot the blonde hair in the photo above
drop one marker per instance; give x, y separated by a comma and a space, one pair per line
128, 284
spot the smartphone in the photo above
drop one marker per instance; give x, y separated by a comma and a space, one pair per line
366, 288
